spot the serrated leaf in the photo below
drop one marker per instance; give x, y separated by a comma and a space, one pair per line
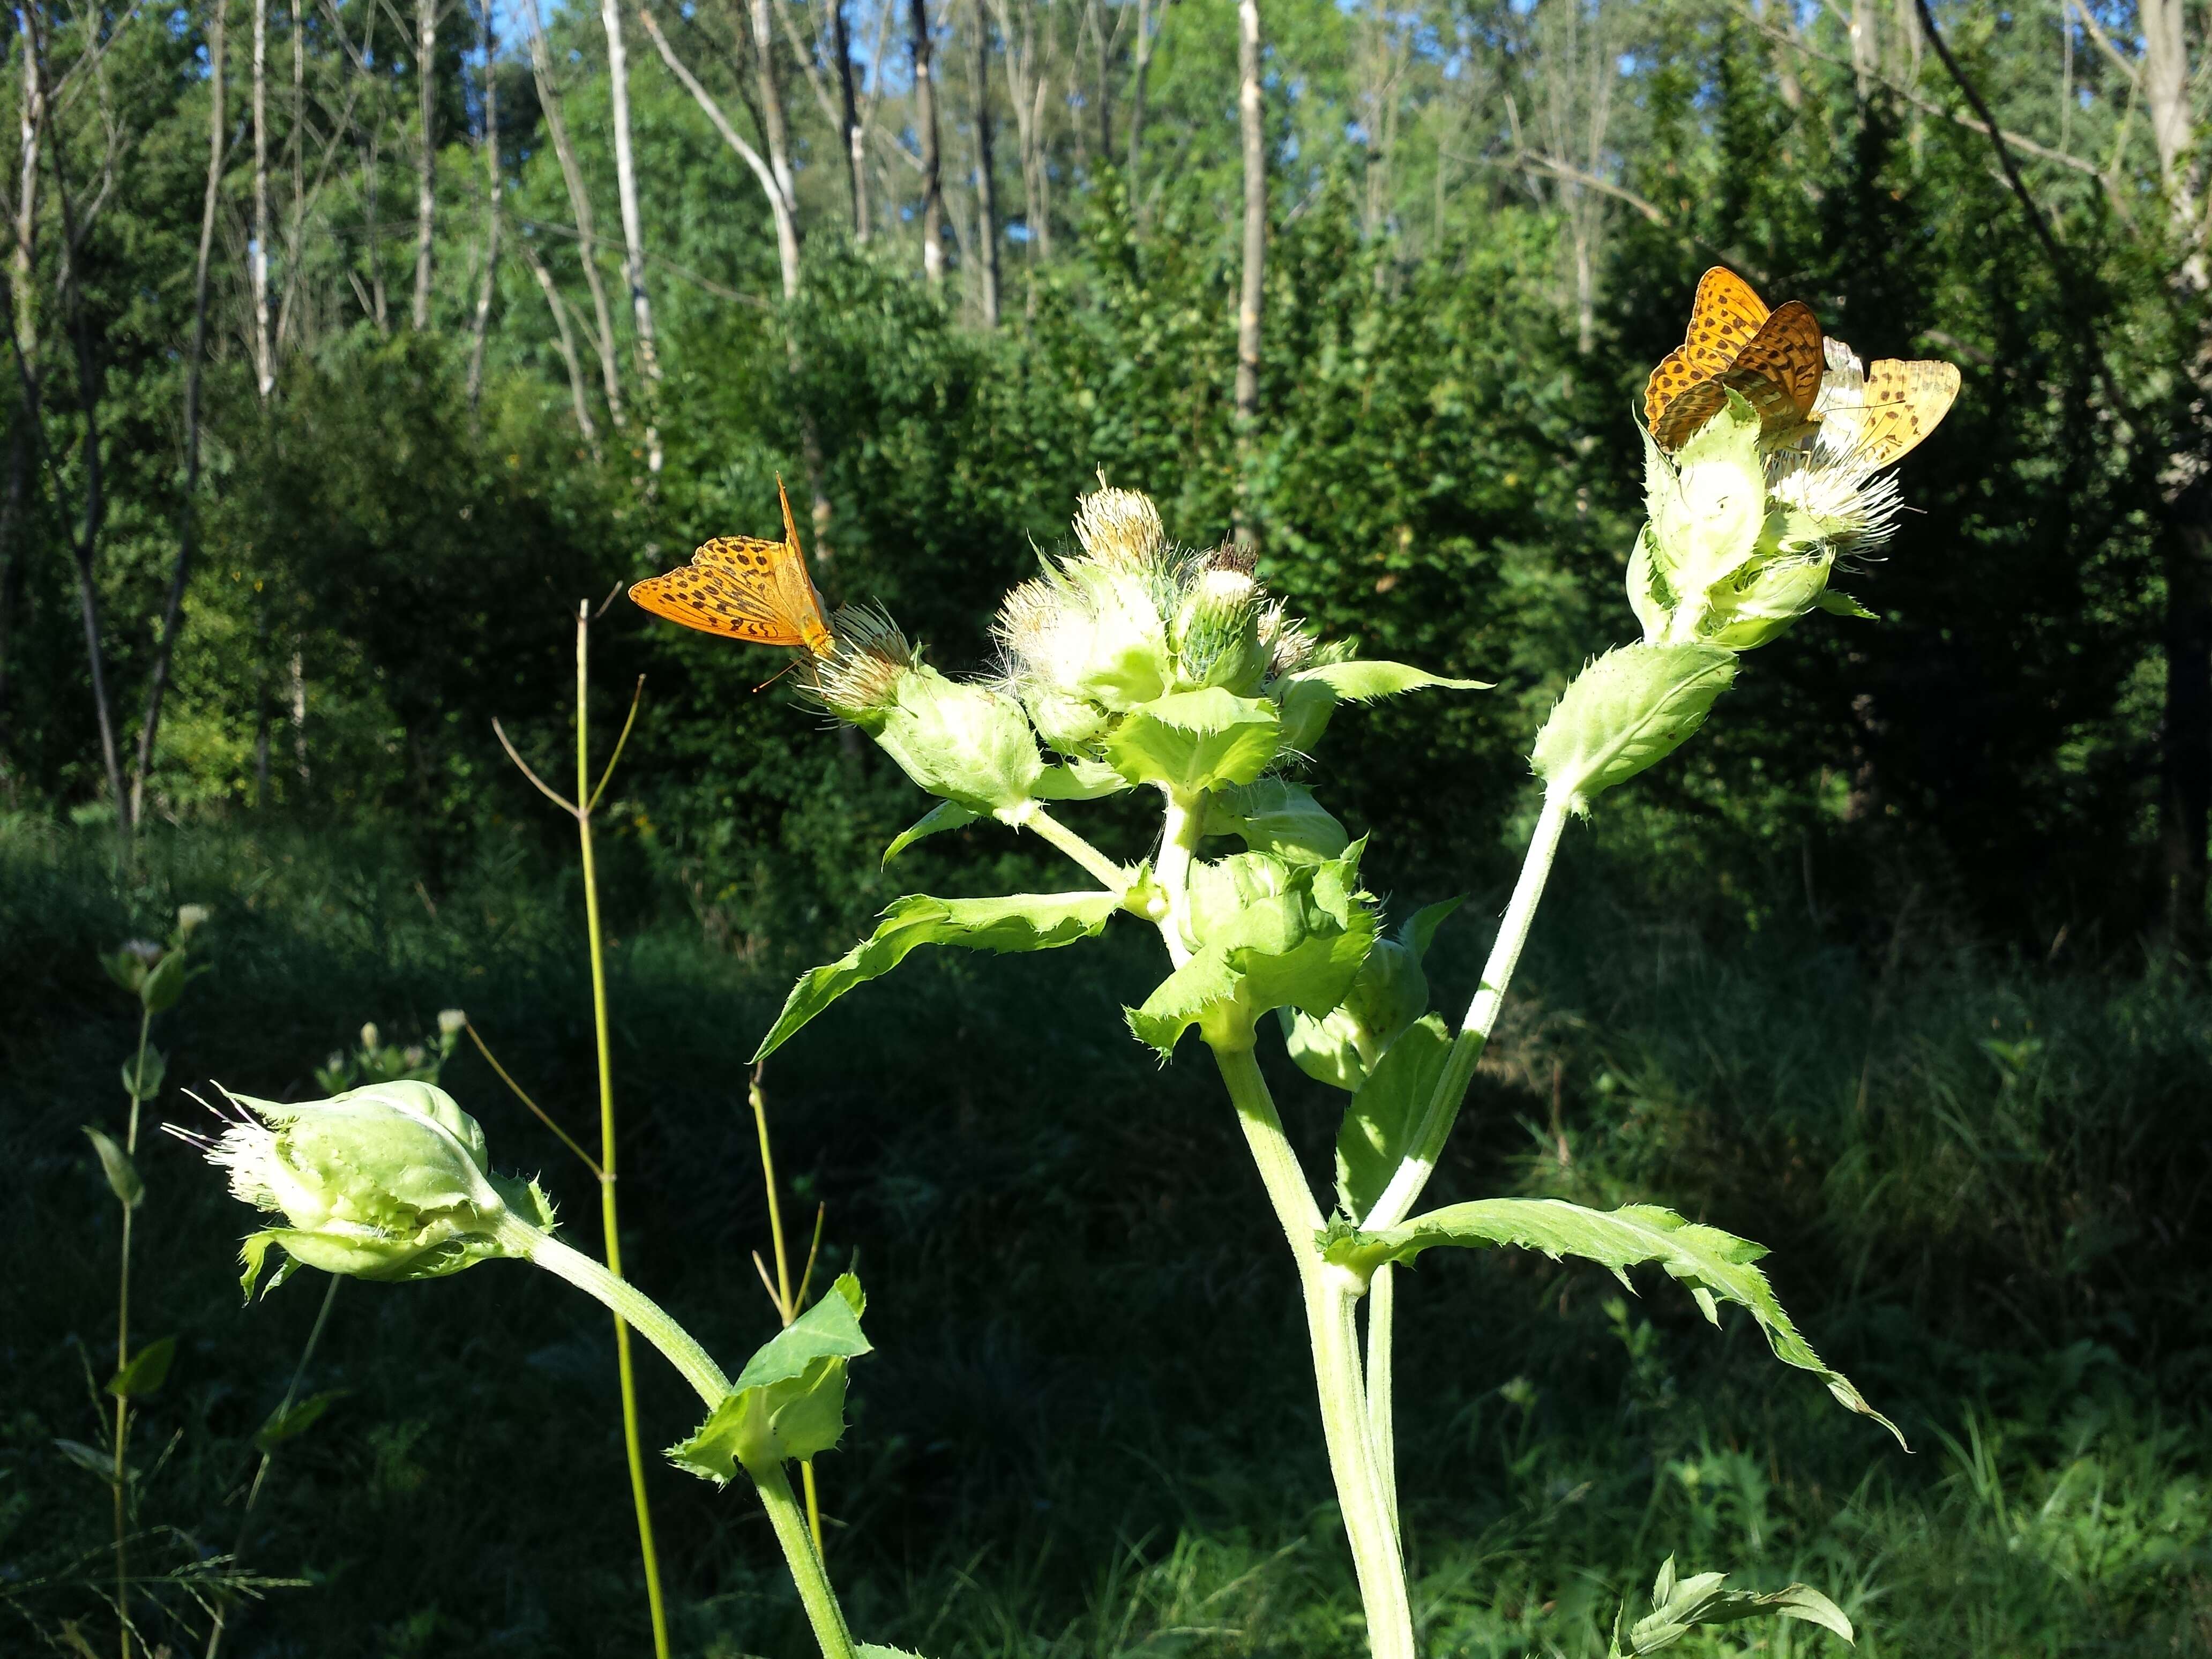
115, 1163
789, 1401
1270, 935
142, 1075
1384, 1116
164, 986
874, 1650
1714, 1266
1080, 779
1309, 696
289, 1422
1020, 921
1843, 605
1191, 741
1627, 711
946, 815
1272, 816
1680, 1606
146, 1371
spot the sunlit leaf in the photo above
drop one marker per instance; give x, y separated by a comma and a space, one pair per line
1680, 1605
115, 1163
946, 815
1196, 740
1380, 1124
789, 1401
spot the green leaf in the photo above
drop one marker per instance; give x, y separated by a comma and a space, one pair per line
115, 1163
1380, 1124
90, 1459
1627, 710
125, 968
1269, 935
1843, 605
166, 984
1196, 740
1272, 816
1715, 1265
1309, 696
789, 1401
142, 1077
1020, 921
1080, 780
1420, 930
1679, 1607
287, 1422
946, 815
874, 1650
147, 1370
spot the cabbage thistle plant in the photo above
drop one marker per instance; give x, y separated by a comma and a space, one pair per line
1130, 663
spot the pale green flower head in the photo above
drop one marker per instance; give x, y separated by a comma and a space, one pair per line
388, 1182
1217, 629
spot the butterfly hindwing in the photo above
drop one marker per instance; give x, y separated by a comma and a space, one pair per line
1724, 318
1904, 403
744, 588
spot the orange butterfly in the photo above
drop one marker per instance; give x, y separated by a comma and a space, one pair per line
1734, 343
744, 589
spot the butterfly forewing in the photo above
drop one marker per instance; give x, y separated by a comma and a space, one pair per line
1724, 318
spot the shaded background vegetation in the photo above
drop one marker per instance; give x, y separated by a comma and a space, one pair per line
1895, 969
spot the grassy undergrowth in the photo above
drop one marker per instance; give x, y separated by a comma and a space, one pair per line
1086, 1431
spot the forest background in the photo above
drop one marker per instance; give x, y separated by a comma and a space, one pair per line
356, 342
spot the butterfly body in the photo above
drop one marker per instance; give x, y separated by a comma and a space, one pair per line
743, 589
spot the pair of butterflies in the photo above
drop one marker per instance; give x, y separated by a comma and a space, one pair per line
1778, 360
759, 591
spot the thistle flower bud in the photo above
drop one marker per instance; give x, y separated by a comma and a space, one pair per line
1120, 528
369, 1036
967, 743
452, 1022
190, 918
144, 951
387, 1182
858, 682
1090, 632
1216, 633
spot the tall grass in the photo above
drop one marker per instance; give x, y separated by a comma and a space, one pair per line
1084, 1432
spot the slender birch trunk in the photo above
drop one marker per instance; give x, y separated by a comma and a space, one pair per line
987, 206
580, 210
567, 342
1253, 287
924, 120
173, 608
426, 165
640, 302
856, 157
1138, 75
296, 221
487, 283
265, 365
771, 109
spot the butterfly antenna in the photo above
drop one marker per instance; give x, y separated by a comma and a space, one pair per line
774, 677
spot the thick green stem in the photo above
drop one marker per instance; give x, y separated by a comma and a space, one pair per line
1413, 1174
1331, 1299
623, 1299
633, 1444
1101, 869
805, 1564
1381, 1427
1179, 838
123, 1348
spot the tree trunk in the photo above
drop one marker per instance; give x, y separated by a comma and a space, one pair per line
296, 220
264, 366
1253, 288
924, 120
173, 608
856, 158
426, 165
1137, 77
488, 284
771, 111
567, 339
580, 210
987, 206
640, 302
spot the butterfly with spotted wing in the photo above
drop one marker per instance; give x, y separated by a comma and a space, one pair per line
745, 589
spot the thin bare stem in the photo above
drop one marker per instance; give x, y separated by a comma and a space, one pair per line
543, 788
542, 1116
636, 698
